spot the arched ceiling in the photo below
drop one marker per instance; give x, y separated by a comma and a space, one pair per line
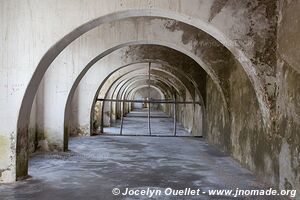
158, 34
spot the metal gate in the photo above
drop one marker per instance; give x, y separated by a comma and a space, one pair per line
150, 101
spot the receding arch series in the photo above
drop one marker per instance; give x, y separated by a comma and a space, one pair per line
52, 53
182, 77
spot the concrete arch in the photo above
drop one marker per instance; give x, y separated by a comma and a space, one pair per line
131, 82
191, 125
180, 74
116, 83
108, 106
116, 90
131, 94
191, 79
91, 63
58, 47
143, 77
171, 75
171, 46
144, 86
156, 77
136, 70
142, 80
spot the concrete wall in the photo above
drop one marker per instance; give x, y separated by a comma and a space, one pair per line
271, 152
142, 94
218, 131
248, 48
288, 95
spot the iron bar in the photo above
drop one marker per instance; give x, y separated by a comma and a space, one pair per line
122, 119
147, 135
151, 101
149, 111
101, 116
175, 119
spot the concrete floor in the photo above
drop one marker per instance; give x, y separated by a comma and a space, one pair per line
136, 123
95, 165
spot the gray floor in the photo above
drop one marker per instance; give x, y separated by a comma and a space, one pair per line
95, 165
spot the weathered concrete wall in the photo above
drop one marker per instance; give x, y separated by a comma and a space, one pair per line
199, 123
218, 132
186, 113
288, 127
142, 94
34, 26
241, 132
288, 95
271, 152
30, 28
250, 142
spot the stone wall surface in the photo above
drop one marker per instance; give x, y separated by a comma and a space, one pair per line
288, 95
240, 58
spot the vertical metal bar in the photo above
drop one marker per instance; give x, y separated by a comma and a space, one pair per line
175, 119
149, 111
102, 104
122, 119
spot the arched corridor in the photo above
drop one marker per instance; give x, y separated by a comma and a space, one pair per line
98, 95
